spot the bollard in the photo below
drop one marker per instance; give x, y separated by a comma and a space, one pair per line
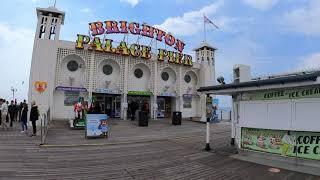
208, 115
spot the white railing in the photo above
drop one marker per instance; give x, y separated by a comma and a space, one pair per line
45, 121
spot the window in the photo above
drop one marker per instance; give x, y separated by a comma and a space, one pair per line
107, 69
187, 78
138, 73
72, 66
165, 76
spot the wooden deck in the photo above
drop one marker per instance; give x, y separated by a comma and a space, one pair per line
160, 151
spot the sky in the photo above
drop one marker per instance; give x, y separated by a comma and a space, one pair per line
271, 36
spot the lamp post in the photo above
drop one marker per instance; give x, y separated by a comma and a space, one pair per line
13, 91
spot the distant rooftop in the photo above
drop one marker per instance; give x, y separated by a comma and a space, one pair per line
287, 74
275, 80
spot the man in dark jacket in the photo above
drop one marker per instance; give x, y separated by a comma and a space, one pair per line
24, 118
34, 116
11, 111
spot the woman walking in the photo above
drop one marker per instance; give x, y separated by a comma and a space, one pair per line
24, 117
34, 116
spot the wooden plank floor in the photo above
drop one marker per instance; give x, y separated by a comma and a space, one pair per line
160, 151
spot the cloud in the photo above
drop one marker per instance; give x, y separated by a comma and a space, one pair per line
133, 3
262, 5
311, 61
191, 22
304, 19
16, 50
85, 10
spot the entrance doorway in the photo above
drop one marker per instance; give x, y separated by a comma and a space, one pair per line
110, 104
164, 107
138, 103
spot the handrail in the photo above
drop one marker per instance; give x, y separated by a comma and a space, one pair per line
44, 127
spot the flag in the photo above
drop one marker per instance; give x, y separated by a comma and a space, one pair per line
207, 20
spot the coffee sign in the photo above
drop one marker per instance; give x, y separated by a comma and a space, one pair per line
93, 42
312, 92
286, 143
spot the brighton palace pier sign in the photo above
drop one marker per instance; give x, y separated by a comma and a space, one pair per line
93, 42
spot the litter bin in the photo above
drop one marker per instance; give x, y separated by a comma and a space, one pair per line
142, 118
176, 118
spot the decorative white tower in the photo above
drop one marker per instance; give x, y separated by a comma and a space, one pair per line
205, 56
44, 55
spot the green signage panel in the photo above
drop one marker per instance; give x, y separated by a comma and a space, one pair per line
294, 144
312, 92
140, 93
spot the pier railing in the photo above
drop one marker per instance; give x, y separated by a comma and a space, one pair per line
45, 121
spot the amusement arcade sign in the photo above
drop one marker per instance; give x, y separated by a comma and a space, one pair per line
93, 42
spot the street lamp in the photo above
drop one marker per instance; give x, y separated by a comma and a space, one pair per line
13, 91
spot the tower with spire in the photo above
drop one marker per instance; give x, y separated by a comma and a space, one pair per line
43, 63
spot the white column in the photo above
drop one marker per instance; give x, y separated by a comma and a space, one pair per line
48, 27
154, 107
124, 106
57, 30
124, 103
203, 107
91, 77
155, 89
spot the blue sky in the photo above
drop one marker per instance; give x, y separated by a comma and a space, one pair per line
271, 36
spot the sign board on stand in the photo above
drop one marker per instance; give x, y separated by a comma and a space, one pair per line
97, 125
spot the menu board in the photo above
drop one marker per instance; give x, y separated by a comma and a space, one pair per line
70, 98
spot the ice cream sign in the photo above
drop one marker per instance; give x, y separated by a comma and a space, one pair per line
286, 143
95, 41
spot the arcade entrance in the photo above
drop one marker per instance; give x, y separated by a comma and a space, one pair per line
138, 103
110, 103
165, 106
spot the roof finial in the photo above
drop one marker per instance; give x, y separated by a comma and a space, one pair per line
55, 1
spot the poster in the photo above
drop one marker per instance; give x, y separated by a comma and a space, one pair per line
97, 125
187, 100
70, 98
293, 144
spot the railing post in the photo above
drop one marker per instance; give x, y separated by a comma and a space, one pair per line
41, 124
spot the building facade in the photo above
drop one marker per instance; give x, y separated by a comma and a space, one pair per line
277, 114
113, 80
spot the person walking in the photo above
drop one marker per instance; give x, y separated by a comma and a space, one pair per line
214, 117
24, 118
20, 107
34, 116
1, 111
5, 113
11, 111
16, 109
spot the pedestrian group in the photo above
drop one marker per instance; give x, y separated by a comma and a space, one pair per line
18, 113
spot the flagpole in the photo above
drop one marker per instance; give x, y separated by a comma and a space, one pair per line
204, 29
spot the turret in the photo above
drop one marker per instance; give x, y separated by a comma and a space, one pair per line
205, 57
